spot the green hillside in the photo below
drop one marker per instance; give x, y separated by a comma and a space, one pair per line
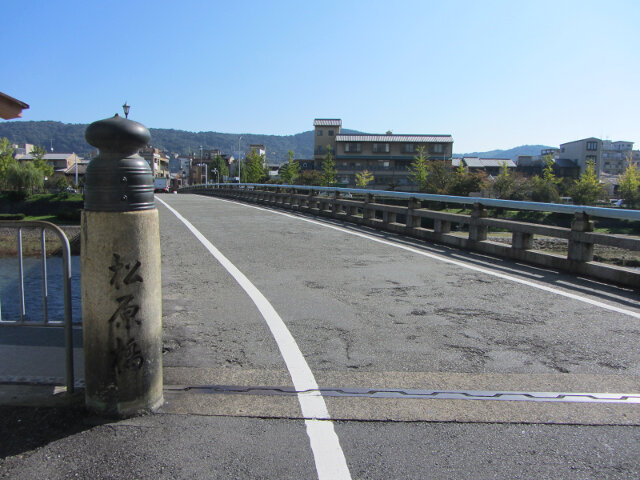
67, 137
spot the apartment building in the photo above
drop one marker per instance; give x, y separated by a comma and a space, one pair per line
59, 161
610, 157
157, 160
386, 156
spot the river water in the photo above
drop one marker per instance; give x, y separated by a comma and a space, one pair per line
10, 292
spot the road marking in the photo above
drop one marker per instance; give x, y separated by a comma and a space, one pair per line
434, 256
325, 445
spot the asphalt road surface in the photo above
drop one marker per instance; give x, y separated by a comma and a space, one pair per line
264, 308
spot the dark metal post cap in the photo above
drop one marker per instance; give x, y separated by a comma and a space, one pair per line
117, 135
118, 179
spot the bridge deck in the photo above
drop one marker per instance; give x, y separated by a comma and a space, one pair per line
370, 310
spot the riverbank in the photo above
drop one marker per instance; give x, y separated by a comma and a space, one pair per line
31, 241
601, 253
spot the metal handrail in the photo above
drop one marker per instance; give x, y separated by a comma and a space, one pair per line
66, 267
600, 212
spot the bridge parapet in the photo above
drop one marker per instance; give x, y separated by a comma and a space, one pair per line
423, 216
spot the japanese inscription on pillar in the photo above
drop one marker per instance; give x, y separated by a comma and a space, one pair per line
124, 320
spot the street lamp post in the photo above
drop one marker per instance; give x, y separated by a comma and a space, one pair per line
239, 176
206, 178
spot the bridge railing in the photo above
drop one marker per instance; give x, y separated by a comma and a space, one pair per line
67, 322
420, 215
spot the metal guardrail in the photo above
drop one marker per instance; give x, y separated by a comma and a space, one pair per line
364, 206
600, 212
67, 323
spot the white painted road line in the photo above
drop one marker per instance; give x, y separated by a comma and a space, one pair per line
325, 445
440, 258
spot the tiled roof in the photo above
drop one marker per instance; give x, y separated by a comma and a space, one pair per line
47, 156
488, 162
82, 168
396, 138
327, 122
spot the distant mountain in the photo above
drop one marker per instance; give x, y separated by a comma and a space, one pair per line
70, 138
66, 137
511, 154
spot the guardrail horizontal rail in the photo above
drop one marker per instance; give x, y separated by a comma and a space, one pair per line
365, 206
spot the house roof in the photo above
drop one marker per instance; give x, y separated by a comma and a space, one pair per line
327, 122
11, 107
476, 162
396, 138
82, 168
47, 156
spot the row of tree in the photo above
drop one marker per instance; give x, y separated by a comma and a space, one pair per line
440, 178
24, 178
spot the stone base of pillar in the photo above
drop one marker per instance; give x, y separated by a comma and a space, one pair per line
122, 312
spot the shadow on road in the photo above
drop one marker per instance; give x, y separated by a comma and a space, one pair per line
27, 428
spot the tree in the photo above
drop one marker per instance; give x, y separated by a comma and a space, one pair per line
59, 182
254, 167
311, 177
587, 190
40, 163
329, 171
439, 177
545, 189
418, 171
629, 185
364, 178
463, 182
547, 173
218, 164
291, 171
503, 185
24, 178
6, 159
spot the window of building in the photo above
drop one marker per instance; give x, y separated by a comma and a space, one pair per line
408, 148
352, 147
319, 133
438, 148
592, 145
380, 148
331, 133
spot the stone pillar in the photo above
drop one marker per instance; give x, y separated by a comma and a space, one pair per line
121, 285
388, 217
413, 221
580, 251
367, 212
441, 226
478, 232
522, 241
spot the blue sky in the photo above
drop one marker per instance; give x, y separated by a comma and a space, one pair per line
494, 74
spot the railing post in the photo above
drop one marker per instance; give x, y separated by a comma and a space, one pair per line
310, 200
522, 241
335, 207
413, 221
477, 232
441, 226
580, 251
367, 212
121, 288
